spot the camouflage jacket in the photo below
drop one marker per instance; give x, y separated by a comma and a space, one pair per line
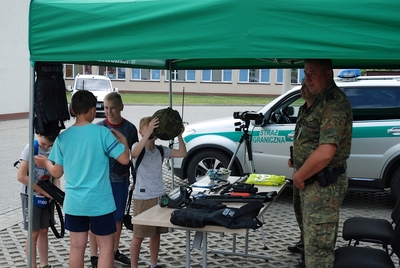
328, 120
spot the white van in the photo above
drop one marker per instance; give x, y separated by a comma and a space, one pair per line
99, 85
374, 163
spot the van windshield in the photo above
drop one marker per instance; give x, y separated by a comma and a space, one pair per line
93, 84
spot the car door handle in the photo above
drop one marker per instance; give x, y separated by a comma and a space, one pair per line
291, 135
394, 131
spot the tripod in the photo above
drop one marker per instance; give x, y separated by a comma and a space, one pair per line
246, 137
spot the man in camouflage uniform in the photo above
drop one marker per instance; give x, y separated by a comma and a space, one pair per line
308, 97
322, 144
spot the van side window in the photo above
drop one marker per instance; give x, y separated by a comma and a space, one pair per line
373, 97
374, 103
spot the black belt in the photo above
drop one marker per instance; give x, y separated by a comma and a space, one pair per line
334, 170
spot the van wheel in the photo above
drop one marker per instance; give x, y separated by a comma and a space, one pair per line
204, 160
395, 184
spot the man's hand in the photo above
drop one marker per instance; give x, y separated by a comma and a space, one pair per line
298, 181
290, 163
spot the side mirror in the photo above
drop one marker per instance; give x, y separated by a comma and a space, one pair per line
69, 88
290, 110
116, 89
258, 122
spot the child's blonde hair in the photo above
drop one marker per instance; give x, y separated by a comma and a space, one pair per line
144, 121
114, 97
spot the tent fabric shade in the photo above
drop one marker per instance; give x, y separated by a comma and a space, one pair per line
215, 34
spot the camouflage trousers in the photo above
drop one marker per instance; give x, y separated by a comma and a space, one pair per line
298, 215
320, 214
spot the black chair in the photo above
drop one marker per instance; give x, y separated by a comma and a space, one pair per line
371, 230
362, 257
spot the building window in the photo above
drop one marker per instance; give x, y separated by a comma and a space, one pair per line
71, 70
114, 73
254, 76
216, 76
181, 75
145, 74
296, 76
87, 69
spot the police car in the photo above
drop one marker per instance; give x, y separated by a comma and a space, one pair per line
99, 85
374, 163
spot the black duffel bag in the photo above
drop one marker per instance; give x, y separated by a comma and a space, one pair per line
196, 213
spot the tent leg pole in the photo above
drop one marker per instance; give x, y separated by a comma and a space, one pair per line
31, 163
170, 105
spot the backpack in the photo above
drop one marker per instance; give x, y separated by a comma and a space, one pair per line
127, 219
51, 106
139, 160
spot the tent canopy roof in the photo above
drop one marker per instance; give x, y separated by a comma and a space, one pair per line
215, 34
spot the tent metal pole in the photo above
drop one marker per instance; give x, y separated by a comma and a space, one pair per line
170, 105
31, 164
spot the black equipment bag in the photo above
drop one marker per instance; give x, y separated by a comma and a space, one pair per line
53, 223
127, 220
58, 195
51, 106
204, 212
52, 190
238, 218
196, 213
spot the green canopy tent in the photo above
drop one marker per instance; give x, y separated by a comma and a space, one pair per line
214, 34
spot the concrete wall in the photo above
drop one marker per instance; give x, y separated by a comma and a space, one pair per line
14, 58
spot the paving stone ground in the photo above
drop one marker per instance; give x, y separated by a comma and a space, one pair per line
280, 224
280, 229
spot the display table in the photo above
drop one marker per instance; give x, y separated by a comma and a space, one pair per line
160, 216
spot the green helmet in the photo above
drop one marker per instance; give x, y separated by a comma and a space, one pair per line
170, 124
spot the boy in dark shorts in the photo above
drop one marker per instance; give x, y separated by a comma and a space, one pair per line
119, 174
81, 153
42, 209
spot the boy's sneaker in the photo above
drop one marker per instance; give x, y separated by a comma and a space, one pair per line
94, 260
158, 266
121, 258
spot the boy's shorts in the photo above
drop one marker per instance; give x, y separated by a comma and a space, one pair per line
99, 225
41, 216
142, 231
120, 193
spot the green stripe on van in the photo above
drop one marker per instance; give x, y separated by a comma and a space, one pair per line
358, 133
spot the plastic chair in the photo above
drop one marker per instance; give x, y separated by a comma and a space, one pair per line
362, 257
362, 229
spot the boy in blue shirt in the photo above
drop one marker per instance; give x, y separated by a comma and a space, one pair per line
119, 174
81, 153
